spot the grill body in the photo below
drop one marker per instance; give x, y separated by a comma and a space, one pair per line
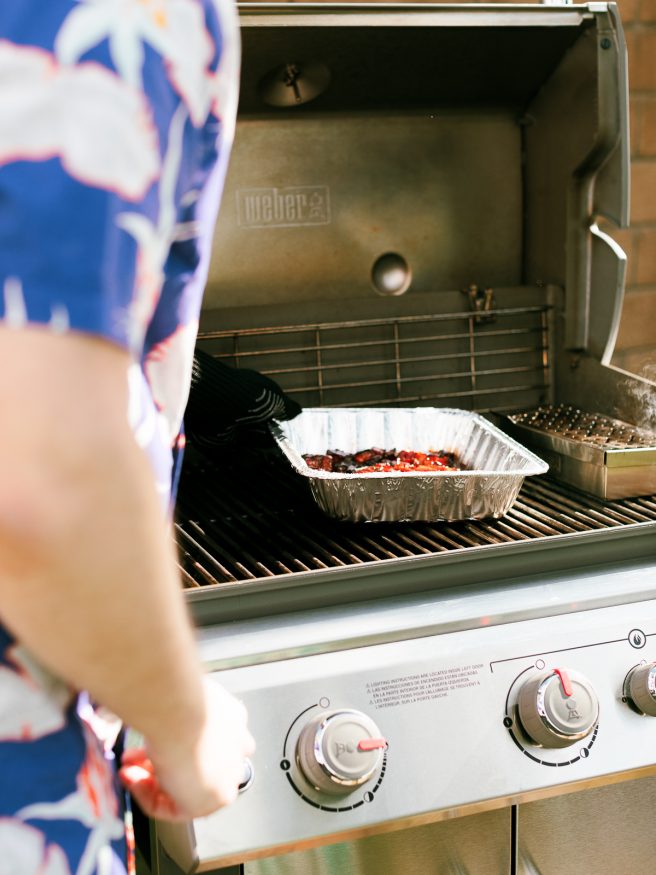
411, 218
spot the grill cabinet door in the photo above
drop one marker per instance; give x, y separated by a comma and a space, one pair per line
606, 831
474, 845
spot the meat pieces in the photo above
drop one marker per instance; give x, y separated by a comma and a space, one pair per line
376, 460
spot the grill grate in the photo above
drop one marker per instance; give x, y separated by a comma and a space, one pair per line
404, 360
243, 515
586, 428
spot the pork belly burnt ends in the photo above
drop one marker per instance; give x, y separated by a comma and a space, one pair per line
376, 460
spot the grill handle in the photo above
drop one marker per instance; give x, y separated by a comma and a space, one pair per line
600, 187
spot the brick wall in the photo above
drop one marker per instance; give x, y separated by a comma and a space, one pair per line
636, 346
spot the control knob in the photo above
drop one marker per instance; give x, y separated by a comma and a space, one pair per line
557, 707
338, 751
640, 688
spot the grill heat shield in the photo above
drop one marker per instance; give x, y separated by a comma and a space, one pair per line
494, 464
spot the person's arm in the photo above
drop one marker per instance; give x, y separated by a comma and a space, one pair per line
88, 580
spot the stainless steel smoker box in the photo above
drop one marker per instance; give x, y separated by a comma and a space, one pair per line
494, 464
606, 457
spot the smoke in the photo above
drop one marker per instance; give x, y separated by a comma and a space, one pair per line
644, 396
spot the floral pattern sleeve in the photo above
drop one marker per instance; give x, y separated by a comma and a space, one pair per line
117, 121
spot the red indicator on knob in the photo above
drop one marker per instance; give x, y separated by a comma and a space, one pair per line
371, 744
564, 681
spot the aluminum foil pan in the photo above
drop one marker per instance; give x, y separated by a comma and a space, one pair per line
495, 464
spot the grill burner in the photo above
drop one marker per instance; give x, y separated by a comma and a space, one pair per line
250, 518
588, 428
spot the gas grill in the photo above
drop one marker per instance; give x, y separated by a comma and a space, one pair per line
412, 218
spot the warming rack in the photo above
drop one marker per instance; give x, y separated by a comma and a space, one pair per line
498, 359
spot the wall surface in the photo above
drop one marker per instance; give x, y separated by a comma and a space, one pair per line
636, 346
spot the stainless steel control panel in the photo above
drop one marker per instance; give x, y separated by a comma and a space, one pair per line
353, 740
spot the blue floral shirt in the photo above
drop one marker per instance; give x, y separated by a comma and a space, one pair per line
116, 123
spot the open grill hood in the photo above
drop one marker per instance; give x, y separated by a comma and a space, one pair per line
460, 156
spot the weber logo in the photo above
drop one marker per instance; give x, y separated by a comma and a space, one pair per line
283, 207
